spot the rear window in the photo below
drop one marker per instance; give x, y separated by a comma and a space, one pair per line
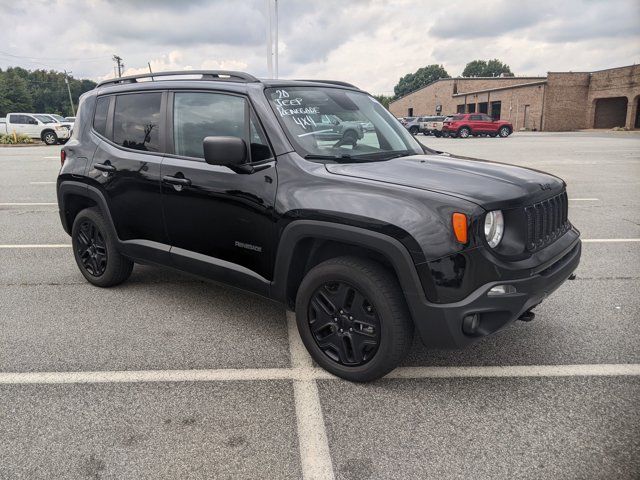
136, 121
100, 117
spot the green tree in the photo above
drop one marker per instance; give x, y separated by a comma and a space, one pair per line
484, 68
14, 93
420, 78
385, 100
39, 91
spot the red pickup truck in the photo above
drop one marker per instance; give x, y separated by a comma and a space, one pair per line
465, 124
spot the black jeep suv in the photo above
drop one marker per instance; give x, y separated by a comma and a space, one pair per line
367, 237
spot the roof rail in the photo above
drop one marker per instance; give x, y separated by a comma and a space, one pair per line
330, 82
224, 75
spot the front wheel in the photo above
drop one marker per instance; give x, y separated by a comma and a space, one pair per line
94, 248
353, 318
504, 132
414, 130
50, 138
464, 132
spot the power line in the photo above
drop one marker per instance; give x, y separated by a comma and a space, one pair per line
64, 59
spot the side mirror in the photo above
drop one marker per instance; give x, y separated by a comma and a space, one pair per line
227, 151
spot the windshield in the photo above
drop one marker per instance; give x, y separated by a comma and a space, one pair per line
339, 125
59, 118
45, 118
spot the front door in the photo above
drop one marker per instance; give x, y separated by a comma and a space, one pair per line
126, 164
215, 216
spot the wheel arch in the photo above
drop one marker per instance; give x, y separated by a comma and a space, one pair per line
45, 131
73, 197
306, 243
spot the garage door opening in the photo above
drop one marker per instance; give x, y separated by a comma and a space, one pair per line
610, 112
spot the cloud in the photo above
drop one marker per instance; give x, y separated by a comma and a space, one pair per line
370, 43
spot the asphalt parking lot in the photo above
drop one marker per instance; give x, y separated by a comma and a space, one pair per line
167, 376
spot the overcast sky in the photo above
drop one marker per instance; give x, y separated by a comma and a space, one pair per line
369, 43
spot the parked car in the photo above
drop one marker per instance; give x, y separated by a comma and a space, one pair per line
35, 126
57, 118
225, 176
331, 127
433, 126
415, 125
405, 120
466, 124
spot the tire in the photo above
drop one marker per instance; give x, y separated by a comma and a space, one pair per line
504, 132
414, 130
437, 134
381, 329
464, 132
94, 248
49, 137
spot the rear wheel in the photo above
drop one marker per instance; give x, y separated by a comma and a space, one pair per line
94, 248
353, 318
464, 132
50, 138
504, 132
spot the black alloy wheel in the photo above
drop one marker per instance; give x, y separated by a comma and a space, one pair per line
344, 324
91, 248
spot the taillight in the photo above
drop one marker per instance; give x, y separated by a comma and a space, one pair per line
63, 157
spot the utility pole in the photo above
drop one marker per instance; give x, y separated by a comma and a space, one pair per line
66, 80
276, 39
119, 63
269, 40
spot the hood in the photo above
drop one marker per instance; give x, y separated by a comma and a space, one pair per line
491, 185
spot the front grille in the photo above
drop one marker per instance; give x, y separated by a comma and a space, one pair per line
546, 221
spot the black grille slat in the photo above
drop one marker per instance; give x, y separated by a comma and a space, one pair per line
546, 221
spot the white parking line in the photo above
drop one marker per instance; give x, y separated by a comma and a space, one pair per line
48, 245
315, 457
609, 240
591, 370
28, 204
57, 157
311, 374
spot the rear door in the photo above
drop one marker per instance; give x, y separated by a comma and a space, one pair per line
488, 125
476, 124
219, 222
126, 165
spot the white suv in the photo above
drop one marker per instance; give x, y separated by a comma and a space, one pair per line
38, 126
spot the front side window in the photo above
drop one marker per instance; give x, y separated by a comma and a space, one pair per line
136, 121
358, 127
197, 115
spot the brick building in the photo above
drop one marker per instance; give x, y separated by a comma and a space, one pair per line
558, 102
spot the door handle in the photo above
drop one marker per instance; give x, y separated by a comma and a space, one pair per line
104, 167
185, 182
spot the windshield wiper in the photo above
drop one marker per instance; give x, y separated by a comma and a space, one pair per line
313, 156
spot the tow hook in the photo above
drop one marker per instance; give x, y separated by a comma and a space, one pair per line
527, 316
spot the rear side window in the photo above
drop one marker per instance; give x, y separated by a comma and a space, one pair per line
100, 117
136, 121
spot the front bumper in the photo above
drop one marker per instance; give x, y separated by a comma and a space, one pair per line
441, 325
63, 133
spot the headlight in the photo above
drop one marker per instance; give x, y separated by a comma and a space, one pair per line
494, 228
